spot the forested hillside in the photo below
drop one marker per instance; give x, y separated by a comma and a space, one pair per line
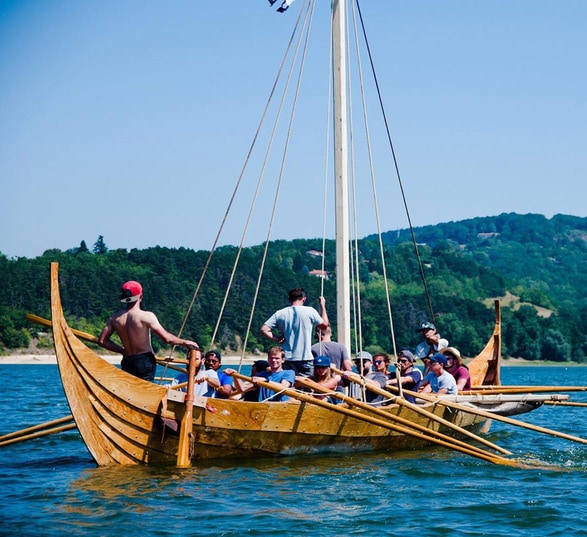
543, 259
534, 264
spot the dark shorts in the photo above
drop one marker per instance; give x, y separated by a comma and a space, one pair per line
141, 365
302, 368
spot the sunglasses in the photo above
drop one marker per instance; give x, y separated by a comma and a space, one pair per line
378, 361
403, 361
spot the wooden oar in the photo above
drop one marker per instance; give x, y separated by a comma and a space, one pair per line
483, 413
276, 387
564, 403
186, 427
497, 417
38, 434
165, 363
47, 424
93, 339
489, 390
46, 322
423, 412
392, 417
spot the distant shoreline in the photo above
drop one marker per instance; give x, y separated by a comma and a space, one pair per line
50, 359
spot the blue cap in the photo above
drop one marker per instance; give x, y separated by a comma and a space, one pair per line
321, 361
438, 358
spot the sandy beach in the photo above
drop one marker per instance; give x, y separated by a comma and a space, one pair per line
49, 359
43, 359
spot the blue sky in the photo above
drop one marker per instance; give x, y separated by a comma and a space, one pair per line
132, 120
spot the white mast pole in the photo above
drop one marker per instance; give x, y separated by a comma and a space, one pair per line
341, 172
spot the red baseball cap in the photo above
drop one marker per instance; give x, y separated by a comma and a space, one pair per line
131, 292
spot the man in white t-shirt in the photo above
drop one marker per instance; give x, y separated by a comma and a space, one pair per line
431, 345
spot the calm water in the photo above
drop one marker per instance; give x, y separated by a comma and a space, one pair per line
50, 486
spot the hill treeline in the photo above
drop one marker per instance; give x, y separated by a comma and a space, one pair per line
535, 265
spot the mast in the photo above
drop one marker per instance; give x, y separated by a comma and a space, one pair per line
341, 172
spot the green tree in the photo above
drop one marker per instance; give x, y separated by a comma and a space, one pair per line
100, 247
554, 347
12, 337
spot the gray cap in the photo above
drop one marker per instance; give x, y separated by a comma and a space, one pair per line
406, 354
364, 355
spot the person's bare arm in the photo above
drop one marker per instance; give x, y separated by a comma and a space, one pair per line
240, 386
225, 389
285, 383
325, 322
212, 381
358, 379
425, 388
156, 327
332, 383
461, 383
374, 383
434, 339
105, 341
408, 382
267, 332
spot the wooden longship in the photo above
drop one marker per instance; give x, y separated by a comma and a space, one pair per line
121, 418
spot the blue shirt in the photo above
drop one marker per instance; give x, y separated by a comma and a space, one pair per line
224, 378
296, 323
266, 393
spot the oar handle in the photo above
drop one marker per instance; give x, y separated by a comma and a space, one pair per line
274, 386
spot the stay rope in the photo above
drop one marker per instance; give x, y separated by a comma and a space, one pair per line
395, 162
307, 25
234, 194
373, 183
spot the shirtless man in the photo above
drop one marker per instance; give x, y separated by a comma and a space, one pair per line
134, 326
